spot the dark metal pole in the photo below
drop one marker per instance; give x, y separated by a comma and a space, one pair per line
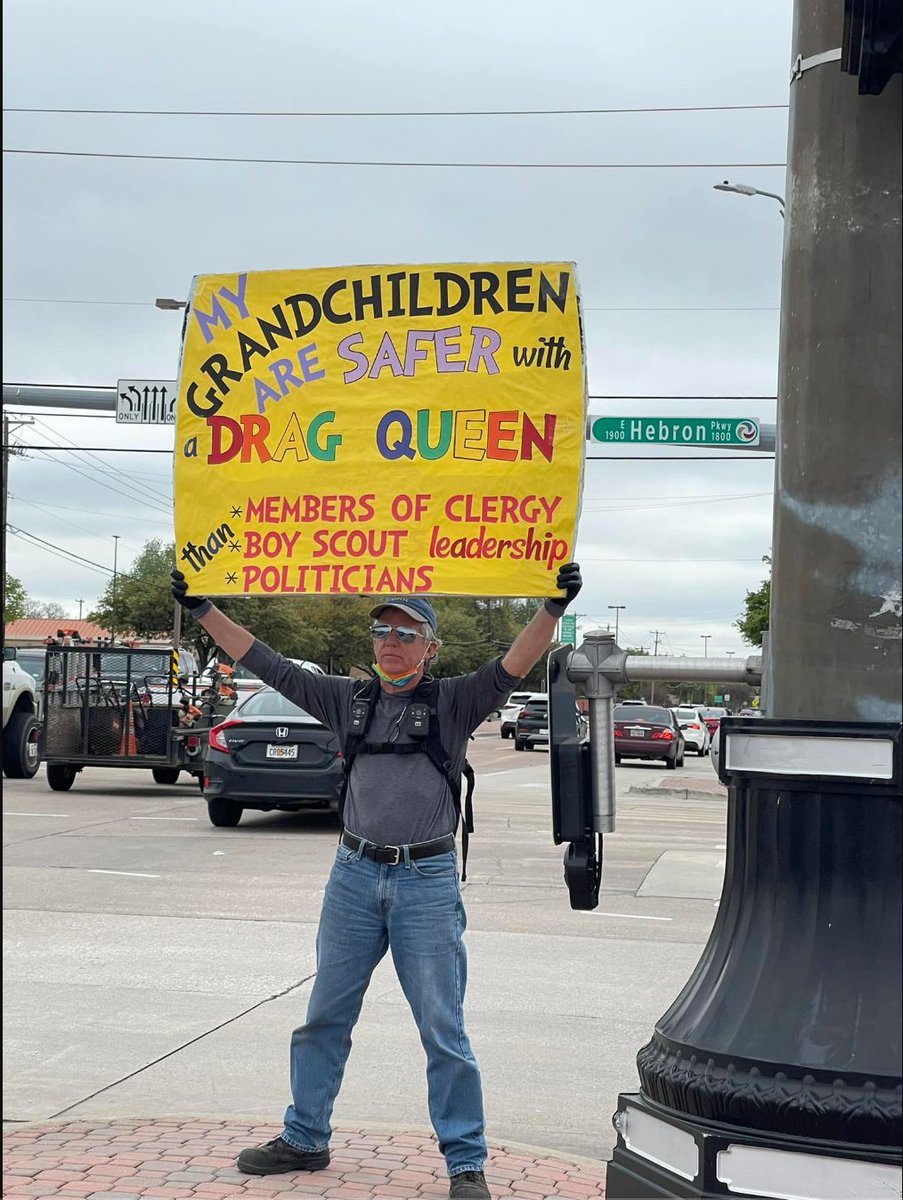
835, 594
777, 1070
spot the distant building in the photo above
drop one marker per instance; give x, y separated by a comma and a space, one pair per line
34, 631
38, 631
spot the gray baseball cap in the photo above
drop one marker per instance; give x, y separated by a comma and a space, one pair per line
412, 606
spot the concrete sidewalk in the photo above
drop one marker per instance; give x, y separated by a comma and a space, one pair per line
173, 1159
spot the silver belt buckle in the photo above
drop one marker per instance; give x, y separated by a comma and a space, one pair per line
397, 859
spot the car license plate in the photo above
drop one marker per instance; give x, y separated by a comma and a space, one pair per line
282, 751
637, 733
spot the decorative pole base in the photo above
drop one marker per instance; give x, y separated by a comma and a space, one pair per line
777, 1070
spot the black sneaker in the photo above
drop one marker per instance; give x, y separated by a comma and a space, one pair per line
469, 1185
277, 1156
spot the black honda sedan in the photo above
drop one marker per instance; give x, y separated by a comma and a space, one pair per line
647, 731
270, 754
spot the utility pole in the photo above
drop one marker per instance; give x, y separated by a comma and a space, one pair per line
777, 1069
656, 633
617, 608
113, 606
7, 450
705, 687
79, 600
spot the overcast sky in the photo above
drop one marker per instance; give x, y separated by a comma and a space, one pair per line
680, 283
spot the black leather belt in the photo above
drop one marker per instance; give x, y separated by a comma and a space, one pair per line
393, 855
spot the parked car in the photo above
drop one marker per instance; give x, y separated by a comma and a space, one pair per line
511, 710
713, 717
693, 726
652, 733
531, 728
749, 712
270, 754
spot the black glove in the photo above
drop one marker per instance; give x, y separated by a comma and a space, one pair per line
570, 582
196, 605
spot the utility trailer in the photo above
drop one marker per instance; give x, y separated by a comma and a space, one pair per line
122, 706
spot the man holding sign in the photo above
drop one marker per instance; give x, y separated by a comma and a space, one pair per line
394, 884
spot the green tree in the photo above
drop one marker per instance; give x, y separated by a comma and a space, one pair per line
755, 620
139, 600
15, 599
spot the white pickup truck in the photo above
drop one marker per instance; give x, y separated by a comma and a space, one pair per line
21, 727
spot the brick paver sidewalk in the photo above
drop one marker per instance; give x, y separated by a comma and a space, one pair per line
176, 1159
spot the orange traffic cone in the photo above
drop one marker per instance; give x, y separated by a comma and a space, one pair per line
128, 745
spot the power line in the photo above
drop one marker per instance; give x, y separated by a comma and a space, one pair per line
355, 162
597, 396
149, 304
142, 491
93, 479
754, 457
93, 449
510, 112
49, 300
96, 512
24, 535
590, 396
589, 457
584, 558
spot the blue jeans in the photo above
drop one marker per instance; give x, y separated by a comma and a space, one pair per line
415, 910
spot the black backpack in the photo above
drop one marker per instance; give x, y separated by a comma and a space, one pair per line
428, 740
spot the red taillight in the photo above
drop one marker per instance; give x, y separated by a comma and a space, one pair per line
665, 735
619, 732
692, 725
215, 737
193, 742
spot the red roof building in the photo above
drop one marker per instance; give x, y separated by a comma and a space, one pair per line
34, 631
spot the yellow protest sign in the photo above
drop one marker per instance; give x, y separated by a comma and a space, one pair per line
378, 430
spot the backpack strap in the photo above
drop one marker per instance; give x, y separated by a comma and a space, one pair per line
367, 694
355, 743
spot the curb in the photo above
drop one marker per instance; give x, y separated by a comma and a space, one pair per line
684, 793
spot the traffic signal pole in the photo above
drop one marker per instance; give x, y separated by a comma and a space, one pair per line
777, 1070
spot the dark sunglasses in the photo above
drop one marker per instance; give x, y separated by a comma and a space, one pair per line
404, 635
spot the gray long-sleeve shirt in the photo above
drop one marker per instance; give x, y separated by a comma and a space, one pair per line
392, 799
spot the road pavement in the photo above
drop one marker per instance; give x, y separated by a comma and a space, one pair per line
155, 966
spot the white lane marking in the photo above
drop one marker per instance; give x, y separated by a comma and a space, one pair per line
595, 912
489, 774
131, 874
21, 814
163, 818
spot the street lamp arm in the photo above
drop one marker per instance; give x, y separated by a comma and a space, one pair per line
746, 189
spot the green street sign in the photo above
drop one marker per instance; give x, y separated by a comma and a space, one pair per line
677, 431
568, 631
719, 699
